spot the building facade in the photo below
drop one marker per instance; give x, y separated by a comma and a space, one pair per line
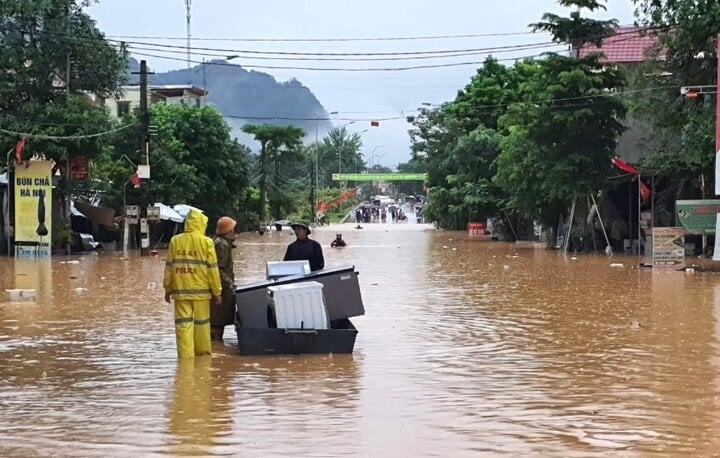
129, 98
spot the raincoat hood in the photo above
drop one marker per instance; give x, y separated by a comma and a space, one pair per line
196, 222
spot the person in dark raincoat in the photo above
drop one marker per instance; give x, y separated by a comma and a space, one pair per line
305, 249
223, 314
338, 242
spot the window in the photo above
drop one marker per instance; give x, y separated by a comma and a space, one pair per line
123, 109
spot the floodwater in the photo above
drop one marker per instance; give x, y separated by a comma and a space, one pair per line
468, 348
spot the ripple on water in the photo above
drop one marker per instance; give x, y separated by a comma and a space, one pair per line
458, 355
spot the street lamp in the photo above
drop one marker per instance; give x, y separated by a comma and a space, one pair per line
372, 155
380, 156
340, 151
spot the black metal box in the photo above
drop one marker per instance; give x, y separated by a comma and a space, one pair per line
340, 289
258, 341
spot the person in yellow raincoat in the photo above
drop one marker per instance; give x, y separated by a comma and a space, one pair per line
192, 279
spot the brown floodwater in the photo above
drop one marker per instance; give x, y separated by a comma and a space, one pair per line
468, 347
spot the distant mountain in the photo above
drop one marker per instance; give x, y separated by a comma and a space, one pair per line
249, 97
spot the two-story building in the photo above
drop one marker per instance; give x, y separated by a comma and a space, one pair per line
129, 98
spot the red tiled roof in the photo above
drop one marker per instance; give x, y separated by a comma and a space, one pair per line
628, 45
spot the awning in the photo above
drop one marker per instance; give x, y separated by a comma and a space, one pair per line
100, 215
183, 210
168, 214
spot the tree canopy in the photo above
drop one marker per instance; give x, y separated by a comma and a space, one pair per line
684, 148
280, 150
524, 140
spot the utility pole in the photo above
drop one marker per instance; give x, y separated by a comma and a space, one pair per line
716, 254
144, 159
188, 7
313, 180
262, 186
67, 76
67, 193
717, 122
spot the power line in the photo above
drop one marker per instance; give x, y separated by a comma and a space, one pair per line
335, 69
66, 137
325, 40
226, 51
414, 67
359, 59
403, 116
350, 39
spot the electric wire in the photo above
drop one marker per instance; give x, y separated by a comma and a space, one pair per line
325, 40
357, 59
66, 137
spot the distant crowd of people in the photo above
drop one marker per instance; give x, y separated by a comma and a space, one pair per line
380, 214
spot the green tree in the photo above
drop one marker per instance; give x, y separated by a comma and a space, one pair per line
411, 188
280, 149
39, 38
458, 143
39, 41
684, 130
577, 30
51, 56
562, 138
193, 161
339, 151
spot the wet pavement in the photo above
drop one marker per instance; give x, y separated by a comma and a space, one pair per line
468, 347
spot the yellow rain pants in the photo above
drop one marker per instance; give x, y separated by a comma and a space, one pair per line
192, 279
192, 328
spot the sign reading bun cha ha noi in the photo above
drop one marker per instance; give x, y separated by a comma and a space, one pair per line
33, 209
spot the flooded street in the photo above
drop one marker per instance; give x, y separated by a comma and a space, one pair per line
467, 347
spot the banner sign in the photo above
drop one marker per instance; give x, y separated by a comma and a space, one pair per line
716, 252
79, 168
697, 216
33, 209
379, 176
668, 246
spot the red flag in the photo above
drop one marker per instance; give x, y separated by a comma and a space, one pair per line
624, 166
627, 168
374, 123
19, 149
644, 192
135, 180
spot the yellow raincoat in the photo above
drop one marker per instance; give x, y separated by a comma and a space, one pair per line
192, 279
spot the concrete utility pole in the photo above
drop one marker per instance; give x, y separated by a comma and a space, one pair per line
717, 122
144, 158
188, 5
716, 252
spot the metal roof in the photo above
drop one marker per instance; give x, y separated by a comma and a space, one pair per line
628, 45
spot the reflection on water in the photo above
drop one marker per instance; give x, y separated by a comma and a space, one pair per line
467, 347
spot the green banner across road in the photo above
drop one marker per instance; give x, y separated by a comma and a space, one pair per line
379, 176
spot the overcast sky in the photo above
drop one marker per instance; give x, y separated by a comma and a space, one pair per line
354, 95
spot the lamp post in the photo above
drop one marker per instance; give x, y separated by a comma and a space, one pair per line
340, 151
372, 155
205, 63
372, 164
